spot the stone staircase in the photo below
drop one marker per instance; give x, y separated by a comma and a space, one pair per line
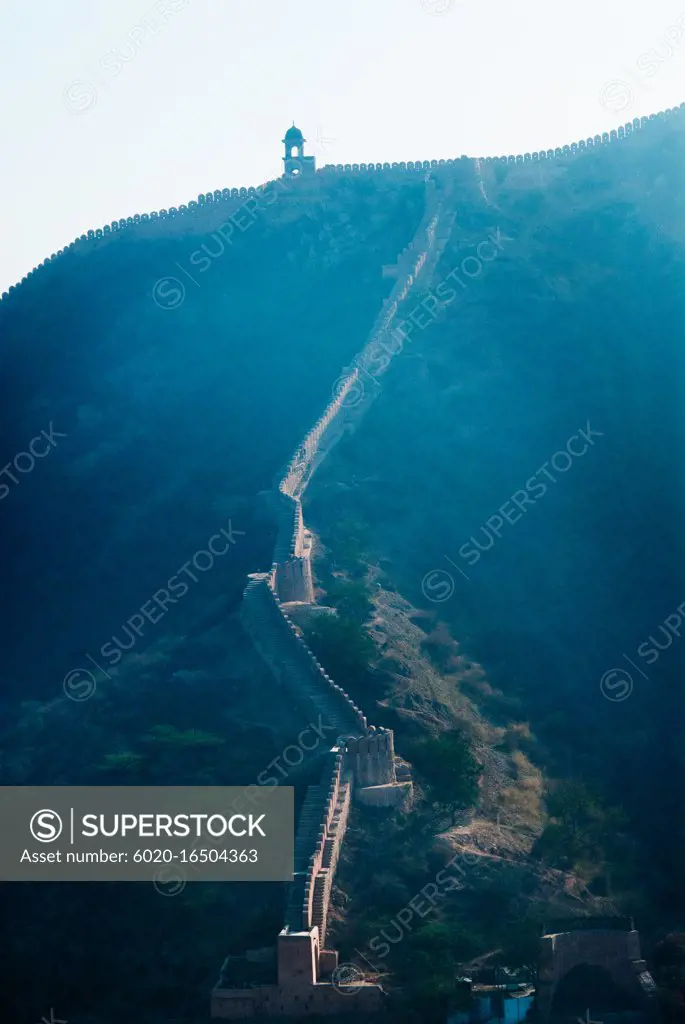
331, 851
306, 836
320, 832
322, 890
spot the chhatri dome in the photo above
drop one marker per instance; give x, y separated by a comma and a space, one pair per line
294, 135
295, 162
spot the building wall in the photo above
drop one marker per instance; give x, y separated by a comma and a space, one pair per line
616, 950
270, 1000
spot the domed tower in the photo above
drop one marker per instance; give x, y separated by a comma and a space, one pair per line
295, 162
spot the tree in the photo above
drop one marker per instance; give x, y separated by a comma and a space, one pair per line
350, 598
342, 646
170, 736
582, 827
348, 540
450, 768
122, 761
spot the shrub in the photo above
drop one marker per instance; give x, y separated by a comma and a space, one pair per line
450, 768
342, 646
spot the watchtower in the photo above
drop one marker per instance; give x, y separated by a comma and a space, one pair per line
295, 163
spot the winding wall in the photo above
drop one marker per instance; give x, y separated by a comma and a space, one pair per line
291, 571
362, 756
320, 832
290, 580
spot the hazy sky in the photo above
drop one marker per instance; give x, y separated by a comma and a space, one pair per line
112, 109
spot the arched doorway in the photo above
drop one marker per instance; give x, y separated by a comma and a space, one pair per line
590, 987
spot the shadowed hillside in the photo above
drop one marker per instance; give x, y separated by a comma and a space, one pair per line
549, 563
174, 417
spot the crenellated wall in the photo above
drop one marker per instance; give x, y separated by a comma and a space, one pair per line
324, 856
305, 969
231, 194
232, 197
343, 411
363, 757
291, 570
326, 432
280, 645
624, 131
369, 758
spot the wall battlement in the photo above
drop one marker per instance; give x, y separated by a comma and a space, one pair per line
572, 149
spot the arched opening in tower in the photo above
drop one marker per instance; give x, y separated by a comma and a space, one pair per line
590, 987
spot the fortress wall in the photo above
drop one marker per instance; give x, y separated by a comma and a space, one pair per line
287, 655
230, 200
331, 779
371, 758
289, 526
293, 580
291, 568
331, 424
617, 951
369, 754
291, 576
323, 883
393, 169
573, 148
414, 263
341, 826
313, 835
304, 460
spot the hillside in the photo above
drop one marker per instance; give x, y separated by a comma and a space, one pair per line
544, 563
175, 418
556, 307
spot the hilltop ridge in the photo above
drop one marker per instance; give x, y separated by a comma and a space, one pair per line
227, 197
